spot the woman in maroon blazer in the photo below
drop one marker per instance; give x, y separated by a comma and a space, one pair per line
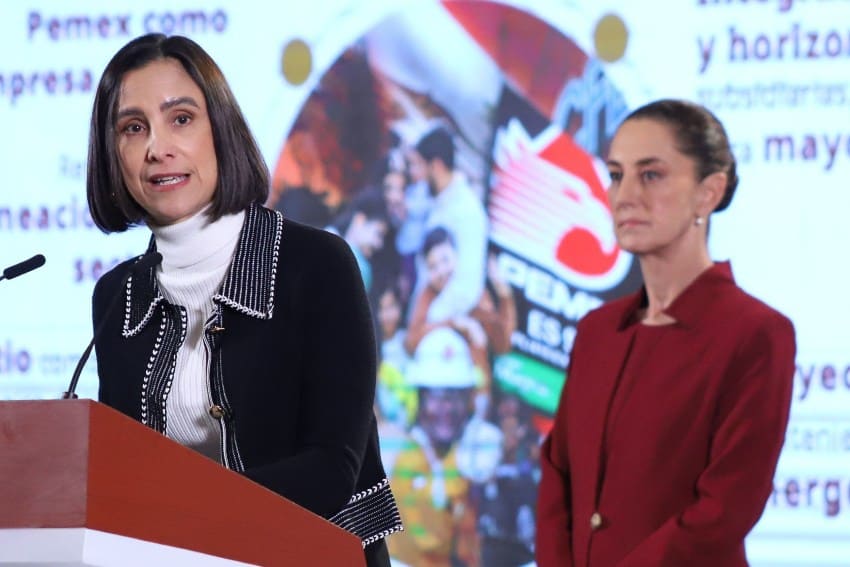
673, 416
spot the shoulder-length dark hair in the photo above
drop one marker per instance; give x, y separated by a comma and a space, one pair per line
243, 177
700, 136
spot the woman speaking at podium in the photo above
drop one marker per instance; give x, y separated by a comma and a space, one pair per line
675, 406
252, 341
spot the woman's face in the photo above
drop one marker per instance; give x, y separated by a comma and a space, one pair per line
394, 194
654, 195
165, 142
440, 263
389, 313
417, 166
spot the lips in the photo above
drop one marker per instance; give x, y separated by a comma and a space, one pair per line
628, 223
165, 180
168, 181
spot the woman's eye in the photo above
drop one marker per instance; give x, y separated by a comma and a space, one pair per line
649, 175
183, 119
131, 128
615, 175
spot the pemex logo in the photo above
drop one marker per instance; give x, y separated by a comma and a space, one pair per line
548, 204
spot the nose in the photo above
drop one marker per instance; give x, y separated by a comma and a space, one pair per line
624, 194
160, 146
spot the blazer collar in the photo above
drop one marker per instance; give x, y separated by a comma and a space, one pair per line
689, 307
248, 286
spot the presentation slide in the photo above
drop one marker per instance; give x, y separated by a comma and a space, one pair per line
339, 92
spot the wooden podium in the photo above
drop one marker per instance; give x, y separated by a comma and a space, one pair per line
79, 471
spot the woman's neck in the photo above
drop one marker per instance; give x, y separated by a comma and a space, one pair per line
195, 242
665, 278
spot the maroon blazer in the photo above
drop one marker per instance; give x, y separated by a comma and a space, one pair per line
666, 438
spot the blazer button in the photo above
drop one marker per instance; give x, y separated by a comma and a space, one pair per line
595, 521
217, 411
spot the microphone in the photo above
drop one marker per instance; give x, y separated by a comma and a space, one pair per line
21, 268
145, 263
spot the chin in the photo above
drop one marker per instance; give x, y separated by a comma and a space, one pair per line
636, 243
637, 249
166, 220
628, 245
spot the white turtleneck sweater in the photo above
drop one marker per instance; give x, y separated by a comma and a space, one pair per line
195, 257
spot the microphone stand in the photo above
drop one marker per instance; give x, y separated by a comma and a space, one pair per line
145, 263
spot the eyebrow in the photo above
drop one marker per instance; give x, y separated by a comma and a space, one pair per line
640, 163
170, 103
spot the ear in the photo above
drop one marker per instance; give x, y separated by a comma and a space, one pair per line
711, 191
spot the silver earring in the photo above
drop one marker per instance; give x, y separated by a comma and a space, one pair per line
698, 221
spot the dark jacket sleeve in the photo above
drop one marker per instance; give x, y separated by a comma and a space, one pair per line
338, 386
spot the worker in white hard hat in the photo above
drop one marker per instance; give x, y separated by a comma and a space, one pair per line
487, 327
431, 477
